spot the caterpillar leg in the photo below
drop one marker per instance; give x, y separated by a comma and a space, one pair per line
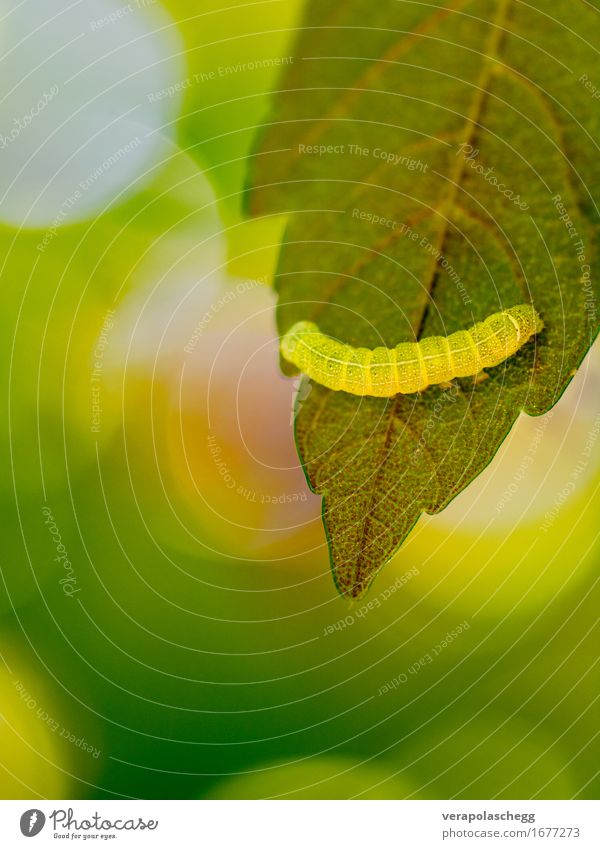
480, 377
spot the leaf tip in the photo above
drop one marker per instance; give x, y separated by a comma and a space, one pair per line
350, 586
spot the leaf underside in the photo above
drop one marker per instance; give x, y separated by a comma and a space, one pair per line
505, 83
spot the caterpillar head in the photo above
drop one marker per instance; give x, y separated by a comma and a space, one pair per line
527, 319
290, 341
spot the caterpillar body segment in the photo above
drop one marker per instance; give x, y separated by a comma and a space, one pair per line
410, 366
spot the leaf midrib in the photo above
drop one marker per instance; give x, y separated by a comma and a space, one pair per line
472, 125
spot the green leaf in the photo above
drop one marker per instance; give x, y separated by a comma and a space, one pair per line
444, 135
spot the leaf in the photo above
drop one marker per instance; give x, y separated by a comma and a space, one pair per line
444, 136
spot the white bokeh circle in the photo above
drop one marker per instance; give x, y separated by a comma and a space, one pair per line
88, 89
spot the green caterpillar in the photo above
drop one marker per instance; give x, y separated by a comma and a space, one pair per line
410, 366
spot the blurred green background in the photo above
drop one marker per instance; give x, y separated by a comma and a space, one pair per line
168, 624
